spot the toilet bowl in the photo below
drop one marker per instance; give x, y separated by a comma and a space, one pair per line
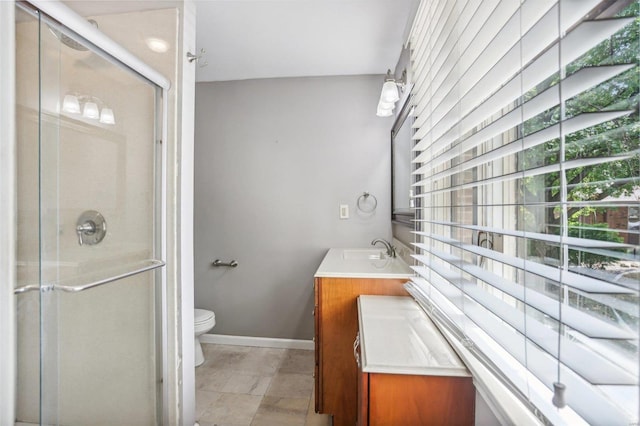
204, 321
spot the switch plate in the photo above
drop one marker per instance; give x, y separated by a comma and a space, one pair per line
344, 211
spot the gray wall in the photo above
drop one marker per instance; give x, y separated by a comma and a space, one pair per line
274, 160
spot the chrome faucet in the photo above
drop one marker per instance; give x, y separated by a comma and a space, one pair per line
391, 250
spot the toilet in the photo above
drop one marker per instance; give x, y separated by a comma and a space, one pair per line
204, 321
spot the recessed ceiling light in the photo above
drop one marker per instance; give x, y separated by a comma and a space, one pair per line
157, 44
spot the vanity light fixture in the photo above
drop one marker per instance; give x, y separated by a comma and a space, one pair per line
71, 104
385, 109
89, 106
106, 116
390, 94
90, 110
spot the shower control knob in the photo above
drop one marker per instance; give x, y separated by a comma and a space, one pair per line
91, 228
88, 228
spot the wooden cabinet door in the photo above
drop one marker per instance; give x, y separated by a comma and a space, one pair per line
337, 314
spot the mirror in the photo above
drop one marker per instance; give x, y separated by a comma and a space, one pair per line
401, 166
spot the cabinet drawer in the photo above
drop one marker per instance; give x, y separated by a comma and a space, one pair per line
420, 400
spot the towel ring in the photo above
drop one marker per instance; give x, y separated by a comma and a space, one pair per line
364, 205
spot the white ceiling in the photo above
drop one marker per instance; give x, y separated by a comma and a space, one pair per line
249, 39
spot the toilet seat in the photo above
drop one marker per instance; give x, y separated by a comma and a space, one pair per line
202, 316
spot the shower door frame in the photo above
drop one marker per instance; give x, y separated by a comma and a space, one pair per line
7, 214
8, 223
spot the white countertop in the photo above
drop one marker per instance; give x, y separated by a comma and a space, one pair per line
397, 337
362, 263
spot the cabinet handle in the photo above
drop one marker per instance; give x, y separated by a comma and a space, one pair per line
356, 352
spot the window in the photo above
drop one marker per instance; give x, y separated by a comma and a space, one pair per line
528, 175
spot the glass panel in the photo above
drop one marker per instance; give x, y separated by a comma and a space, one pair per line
87, 153
28, 218
52, 263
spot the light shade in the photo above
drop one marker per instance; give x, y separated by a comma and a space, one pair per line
383, 111
106, 116
91, 110
389, 92
70, 104
386, 105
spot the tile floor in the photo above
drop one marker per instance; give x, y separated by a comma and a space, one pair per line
250, 386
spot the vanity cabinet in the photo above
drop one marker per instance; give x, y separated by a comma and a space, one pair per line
407, 372
336, 322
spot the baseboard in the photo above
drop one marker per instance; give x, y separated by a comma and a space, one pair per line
264, 342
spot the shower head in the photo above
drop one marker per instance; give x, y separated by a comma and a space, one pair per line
70, 42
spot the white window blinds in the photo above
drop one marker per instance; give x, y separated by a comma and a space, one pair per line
527, 174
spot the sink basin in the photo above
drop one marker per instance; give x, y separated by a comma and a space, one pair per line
362, 263
364, 254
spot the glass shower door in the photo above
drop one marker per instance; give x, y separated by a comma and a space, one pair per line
89, 296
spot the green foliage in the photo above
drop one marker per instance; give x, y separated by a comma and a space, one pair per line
596, 231
616, 143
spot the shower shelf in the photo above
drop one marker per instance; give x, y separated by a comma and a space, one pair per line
75, 285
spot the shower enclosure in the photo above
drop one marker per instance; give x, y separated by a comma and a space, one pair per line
89, 250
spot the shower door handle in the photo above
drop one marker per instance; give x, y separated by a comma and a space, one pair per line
148, 265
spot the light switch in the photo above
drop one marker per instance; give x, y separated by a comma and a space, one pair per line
344, 211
